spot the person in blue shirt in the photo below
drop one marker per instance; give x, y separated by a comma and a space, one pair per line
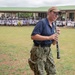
43, 37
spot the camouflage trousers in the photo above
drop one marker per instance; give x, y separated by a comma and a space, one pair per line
41, 61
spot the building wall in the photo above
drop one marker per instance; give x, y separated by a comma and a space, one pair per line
65, 14
68, 14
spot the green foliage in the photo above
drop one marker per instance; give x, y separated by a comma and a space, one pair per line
25, 15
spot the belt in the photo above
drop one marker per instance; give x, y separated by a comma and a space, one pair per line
47, 45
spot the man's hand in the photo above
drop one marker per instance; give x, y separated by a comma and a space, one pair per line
54, 37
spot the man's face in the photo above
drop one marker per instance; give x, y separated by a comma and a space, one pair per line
53, 15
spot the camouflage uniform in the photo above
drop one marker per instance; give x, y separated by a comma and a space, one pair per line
41, 60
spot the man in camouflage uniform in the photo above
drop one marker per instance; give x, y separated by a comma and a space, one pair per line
43, 36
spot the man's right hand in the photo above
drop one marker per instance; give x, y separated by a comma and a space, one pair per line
54, 37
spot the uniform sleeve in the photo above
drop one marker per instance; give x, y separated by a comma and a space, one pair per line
38, 28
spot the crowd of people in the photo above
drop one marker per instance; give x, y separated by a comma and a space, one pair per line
16, 22
65, 23
30, 21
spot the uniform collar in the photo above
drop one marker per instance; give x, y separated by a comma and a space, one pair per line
47, 22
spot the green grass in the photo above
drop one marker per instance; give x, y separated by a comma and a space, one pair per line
15, 46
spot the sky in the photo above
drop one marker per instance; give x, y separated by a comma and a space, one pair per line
35, 3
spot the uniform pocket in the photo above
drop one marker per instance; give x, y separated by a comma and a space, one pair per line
31, 64
33, 55
40, 52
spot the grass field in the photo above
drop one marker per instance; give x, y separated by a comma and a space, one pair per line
15, 45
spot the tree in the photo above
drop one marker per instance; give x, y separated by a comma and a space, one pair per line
25, 15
